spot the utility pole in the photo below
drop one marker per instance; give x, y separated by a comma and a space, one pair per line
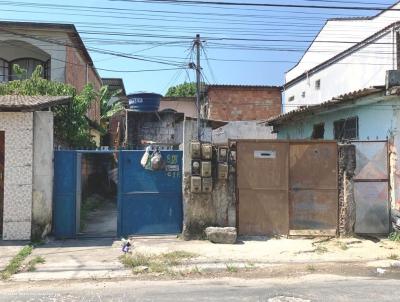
197, 43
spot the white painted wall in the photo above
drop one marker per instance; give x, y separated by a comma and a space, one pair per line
349, 31
362, 69
242, 130
13, 46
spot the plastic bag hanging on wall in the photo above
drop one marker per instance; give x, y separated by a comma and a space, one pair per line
145, 157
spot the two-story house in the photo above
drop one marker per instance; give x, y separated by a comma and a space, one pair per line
58, 48
348, 54
346, 87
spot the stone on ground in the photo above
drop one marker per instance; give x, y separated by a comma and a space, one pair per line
221, 235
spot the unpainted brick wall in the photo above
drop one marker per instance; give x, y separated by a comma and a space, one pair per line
243, 103
75, 75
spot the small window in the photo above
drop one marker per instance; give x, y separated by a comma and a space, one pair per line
3, 70
318, 84
318, 131
29, 64
346, 128
303, 94
291, 99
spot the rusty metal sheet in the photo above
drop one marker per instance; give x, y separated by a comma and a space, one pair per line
313, 209
263, 212
371, 160
313, 165
372, 207
262, 165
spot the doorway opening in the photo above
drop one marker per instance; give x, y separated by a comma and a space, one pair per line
97, 209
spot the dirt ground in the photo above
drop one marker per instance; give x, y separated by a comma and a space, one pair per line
98, 258
275, 250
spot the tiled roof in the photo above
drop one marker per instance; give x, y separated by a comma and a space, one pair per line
30, 103
325, 105
350, 18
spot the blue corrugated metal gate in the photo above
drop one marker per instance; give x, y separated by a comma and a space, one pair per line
149, 202
64, 194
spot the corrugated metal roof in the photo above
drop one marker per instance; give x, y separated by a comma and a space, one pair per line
325, 105
29, 102
115, 84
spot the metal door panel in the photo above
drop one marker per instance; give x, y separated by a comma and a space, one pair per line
313, 209
262, 173
372, 207
149, 202
64, 213
371, 161
313, 165
263, 212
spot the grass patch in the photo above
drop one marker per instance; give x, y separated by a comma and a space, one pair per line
175, 258
343, 246
321, 249
393, 257
155, 263
15, 263
31, 266
231, 268
394, 236
311, 268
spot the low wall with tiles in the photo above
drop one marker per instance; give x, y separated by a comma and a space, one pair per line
18, 127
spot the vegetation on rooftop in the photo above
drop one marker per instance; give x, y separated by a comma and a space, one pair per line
71, 126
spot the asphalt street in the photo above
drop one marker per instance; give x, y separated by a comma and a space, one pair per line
308, 288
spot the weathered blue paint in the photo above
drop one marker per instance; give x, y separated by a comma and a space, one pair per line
377, 120
64, 207
149, 202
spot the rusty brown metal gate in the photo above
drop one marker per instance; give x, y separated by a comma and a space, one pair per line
286, 187
371, 187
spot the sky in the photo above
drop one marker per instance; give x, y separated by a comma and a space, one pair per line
150, 44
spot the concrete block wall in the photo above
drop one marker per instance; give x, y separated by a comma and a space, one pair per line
243, 103
201, 210
42, 194
17, 215
347, 206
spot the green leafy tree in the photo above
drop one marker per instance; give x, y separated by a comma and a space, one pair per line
185, 90
70, 123
107, 110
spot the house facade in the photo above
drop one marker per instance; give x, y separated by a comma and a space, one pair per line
60, 51
340, 61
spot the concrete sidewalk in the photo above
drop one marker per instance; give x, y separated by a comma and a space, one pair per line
99, 258
8, 250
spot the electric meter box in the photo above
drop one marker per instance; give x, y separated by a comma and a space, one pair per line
195, 149
222, 171
206, 151
207, 185
195, 184
196, 167
222, 154
205, 169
